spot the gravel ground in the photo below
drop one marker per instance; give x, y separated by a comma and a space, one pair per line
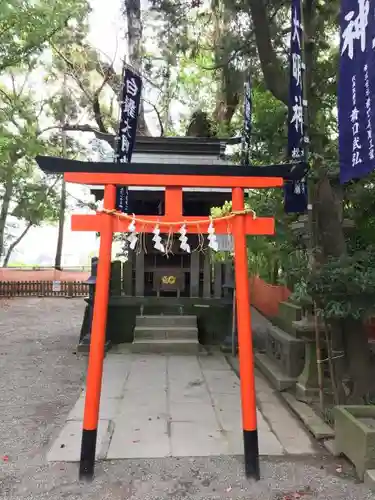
40, 381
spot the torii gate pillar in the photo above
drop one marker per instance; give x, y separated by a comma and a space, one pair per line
245, 341
97, 342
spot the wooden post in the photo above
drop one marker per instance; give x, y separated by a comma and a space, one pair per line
115, 286
127, 277
98, 333
218, 280
245, 345
194, 274
207, 276
140, 274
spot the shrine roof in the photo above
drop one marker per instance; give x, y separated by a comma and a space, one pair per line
288, 171
180, 145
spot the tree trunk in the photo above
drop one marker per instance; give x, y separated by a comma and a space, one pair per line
358, 361
134, 36
230, 80
60, 237
8, 189
274, 75
15, 243
330, 231
338, 359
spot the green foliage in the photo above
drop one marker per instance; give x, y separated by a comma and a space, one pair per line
31, 109
345, 287
342, 288
27, 27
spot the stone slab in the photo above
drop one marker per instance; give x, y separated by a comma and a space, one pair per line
139, 439
213, 363
369, 479
329, 445
169, 346
222, 382
108, 409
282, 422
189, 439
178, 405
166, 320
294, 439
193, 412
269, 445
313, 422
67, 447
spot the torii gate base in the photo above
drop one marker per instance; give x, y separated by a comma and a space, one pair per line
106, 223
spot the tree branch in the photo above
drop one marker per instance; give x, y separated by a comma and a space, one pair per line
105, 136
158, 116
274, 75
28, 50
13, 245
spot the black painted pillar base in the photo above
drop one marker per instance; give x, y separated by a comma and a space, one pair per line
88, 448
251, 454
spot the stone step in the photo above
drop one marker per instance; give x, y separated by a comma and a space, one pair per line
166, 320
273, 373
166, 346
166, 332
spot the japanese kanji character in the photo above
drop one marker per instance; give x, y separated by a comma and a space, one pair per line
131, 87
126, 128
356, 159
297, 117
356, 28
124, 144
129, 107
297, 188
297, 68
354, 115
296, 28
356, 143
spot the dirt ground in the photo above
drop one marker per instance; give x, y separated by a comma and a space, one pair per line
40, 380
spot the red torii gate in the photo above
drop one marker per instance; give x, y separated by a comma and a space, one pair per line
173, 178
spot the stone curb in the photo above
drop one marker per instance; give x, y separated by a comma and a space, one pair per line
311, 421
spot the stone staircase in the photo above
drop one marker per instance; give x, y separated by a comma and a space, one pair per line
166, 334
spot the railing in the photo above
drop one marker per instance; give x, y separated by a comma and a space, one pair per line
265, 297
43, 289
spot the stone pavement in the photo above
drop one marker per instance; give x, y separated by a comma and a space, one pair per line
155, 406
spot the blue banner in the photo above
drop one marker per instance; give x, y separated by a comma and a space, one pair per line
130, 101
295, 193
246, 133
356, 91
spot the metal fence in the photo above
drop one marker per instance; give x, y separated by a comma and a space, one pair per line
43, 289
